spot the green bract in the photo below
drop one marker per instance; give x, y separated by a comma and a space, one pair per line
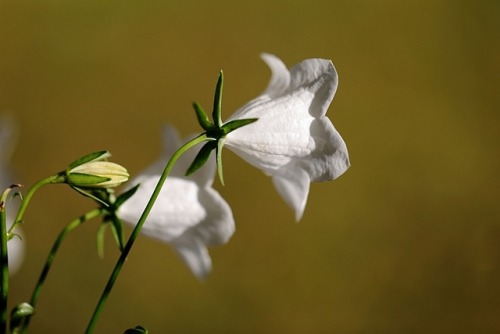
215, 131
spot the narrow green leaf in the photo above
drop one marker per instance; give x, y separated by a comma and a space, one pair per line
238, 123
125, 196
89, 195
117, 229
101, 231
202, 117
217, 111
218, 154
18, 315
201, 157
100, 155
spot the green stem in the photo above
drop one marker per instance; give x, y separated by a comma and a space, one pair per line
138, 227
4, 262
58, 178
5, 236
50, 259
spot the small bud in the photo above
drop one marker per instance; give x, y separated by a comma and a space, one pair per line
92, 172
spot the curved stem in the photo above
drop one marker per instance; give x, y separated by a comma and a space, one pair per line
55, 247
58, 178
138, 227
6, 235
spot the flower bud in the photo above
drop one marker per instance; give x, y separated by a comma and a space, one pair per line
92, 172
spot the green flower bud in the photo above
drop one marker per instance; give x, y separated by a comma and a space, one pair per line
92, 172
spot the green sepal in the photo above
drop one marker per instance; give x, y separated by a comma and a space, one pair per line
125, 196
101, 231
117, 229
217, 111
136, 330
100, 155
237, 123
18, 315
218, 156
89, 195
202, 117
84, 180
201, 157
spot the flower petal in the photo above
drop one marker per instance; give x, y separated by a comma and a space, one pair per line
195, 254
215, 229
293, 186
330, 159
176, 209
319, 77
218, 225
280, 76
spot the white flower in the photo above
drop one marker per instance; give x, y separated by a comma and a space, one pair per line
7, 143
188, 214
293, 141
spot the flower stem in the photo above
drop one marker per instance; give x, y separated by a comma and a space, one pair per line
50, 259
58, 178
138, 227
4, 274
6, 235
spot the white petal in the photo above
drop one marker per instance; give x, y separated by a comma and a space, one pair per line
195, 255
177, 207
319, 77
330, 159
171, 140
215, 229
218, 225
280, 76
293, 186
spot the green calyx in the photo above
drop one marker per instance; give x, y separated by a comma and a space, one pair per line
216, 131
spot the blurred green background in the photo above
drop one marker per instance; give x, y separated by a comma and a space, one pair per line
407, 241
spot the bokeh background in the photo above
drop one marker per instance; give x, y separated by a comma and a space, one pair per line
407, 241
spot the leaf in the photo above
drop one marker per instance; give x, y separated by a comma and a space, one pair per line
101, 231
202, 117
99, 155
125, 196
117, 229
88, 194
217, 111
201, 157
238, 123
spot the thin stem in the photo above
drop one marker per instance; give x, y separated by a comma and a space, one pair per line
4, 262
58, 178
138, 227
5, 236
50, 259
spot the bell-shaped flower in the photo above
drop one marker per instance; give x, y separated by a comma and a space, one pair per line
188, 214
15, 245
292, 140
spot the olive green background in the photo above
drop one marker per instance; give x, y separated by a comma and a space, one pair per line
407, 241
